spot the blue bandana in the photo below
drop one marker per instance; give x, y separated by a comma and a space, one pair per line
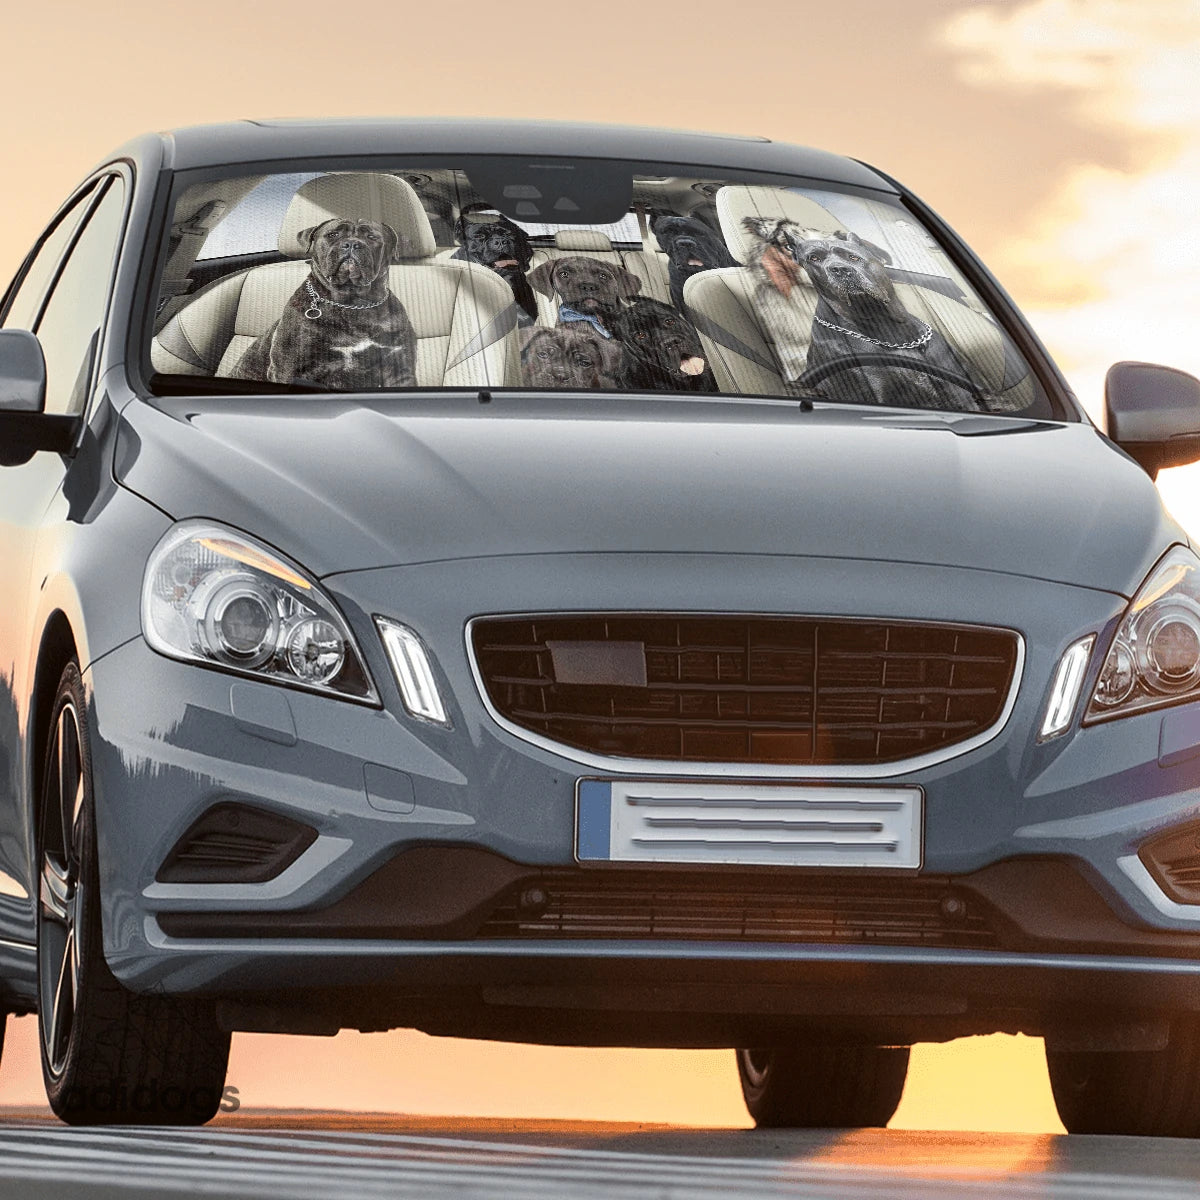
567, 314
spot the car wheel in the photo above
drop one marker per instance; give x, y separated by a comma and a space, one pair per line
823, 1087
1147, 1093
109, 1056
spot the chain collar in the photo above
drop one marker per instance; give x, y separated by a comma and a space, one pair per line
862, 337
313, 311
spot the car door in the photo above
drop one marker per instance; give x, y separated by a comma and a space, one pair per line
62, 296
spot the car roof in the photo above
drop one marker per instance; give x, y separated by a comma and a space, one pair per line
258, 141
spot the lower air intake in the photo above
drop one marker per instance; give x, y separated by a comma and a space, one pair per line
236, 843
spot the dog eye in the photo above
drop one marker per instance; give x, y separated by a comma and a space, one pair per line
544, 355
817, 256
642, 336
565, 273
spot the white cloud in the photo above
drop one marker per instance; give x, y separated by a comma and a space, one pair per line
1129, 63
1114, 258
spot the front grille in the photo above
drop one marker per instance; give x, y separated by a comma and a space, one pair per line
714, 907
745, 689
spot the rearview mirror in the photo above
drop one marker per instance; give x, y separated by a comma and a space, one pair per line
1153, 414
24, 427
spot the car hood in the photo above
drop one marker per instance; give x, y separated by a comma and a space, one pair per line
346, 485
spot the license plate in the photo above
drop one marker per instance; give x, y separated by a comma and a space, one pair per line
748, 824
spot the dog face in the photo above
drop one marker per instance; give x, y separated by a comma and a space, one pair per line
657, 337
350, 255
691, 246
587, 284
841, 266
570, 356
499, 244
846, 268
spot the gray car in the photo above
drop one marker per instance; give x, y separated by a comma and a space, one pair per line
580, 585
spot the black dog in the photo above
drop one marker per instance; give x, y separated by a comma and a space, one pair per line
342, 327
662, 349
570, 356
691, 247
858, 313
504, 247
592, 291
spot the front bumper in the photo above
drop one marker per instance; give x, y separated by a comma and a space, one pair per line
170, 740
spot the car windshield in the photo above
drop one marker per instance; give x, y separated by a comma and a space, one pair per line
570, 275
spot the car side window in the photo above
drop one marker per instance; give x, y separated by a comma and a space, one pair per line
70, 324
25, 301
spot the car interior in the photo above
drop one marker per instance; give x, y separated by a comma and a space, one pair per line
235, 257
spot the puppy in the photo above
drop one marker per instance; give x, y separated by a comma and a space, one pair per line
662, 349
691, 247
591, 290
857, 313
503, 247
342, 328
570, 356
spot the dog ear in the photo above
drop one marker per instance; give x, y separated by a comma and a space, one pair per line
628, 284
611, 355
782, 270
304, 239
460, 229
397, 245
763, 228
875, 251
528, 337
542, 278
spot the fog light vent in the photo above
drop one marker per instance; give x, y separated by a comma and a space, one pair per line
1174, 861
234, 843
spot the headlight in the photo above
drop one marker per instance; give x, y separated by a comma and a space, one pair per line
1154, 659
214, 596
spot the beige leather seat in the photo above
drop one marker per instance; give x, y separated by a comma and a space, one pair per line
463, 314
746, 350
759, 344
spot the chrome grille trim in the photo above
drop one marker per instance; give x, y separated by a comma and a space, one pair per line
613, 764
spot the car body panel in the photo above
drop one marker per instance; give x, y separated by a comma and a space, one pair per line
457, 509
531, 476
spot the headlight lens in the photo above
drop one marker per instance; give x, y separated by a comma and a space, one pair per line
1154, 659
214, 596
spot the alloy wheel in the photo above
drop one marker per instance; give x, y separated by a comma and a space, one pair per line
60, 892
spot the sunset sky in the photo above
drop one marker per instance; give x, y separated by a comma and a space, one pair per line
1060, 137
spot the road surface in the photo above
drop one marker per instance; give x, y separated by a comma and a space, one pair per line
351, 1156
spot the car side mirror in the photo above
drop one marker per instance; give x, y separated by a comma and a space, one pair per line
1153, 414
25, 428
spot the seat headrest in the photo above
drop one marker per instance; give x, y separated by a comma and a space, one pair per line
358, 195
735, 202
588, 240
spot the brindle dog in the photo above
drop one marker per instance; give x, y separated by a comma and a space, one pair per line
570, 356
342, 328
592, 290
858, 313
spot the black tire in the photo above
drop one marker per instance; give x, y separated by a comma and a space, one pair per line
1144, 1093
109, 1056
823, 1087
